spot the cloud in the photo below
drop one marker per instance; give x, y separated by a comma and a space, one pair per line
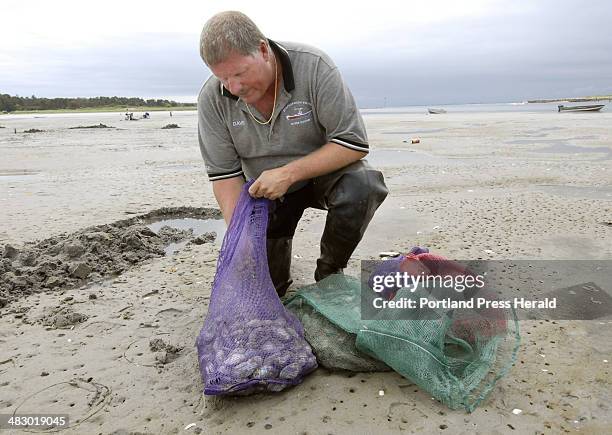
148, 65
556, 50
439, 52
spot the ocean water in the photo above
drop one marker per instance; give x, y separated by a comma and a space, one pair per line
480, 108
450, 108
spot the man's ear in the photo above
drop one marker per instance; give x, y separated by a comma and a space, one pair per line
264, 49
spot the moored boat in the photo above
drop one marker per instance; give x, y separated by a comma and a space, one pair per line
587, 108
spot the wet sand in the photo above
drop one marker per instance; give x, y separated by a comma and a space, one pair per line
526, 185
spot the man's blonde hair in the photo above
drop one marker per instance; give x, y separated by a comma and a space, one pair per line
226, 33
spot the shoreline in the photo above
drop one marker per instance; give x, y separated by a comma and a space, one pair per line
194, 106
573, 100
104, 110
366, 110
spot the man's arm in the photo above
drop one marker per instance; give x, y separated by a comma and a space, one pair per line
273, 183
227, 192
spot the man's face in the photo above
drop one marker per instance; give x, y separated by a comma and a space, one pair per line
247, 77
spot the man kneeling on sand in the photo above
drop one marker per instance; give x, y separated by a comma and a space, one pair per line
280, 113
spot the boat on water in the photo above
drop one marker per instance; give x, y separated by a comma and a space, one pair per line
587, 108
435, 111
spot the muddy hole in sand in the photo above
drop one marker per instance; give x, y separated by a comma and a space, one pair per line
180, 232
103, 251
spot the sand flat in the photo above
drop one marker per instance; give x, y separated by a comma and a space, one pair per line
498, 185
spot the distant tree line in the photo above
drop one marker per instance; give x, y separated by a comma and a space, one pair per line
10, 103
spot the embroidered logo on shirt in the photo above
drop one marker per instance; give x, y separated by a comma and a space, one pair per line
298, 112
238, 123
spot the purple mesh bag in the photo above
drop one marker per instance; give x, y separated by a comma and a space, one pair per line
249, 341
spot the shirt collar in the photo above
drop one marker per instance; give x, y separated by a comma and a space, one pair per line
283, 56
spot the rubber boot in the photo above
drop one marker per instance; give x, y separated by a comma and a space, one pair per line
279, 263
323, 270
351, 200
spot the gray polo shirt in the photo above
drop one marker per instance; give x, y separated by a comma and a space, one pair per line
314, 107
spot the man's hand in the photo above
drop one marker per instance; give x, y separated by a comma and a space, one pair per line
272, 184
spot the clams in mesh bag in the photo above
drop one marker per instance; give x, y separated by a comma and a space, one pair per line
249, 341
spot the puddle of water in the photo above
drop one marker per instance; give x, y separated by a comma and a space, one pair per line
541, 132
199, 227
588, 137
422, 131
532, 141
586, 192
181, 167
5, 172
552, 141
536, 134
548, 129
8, 175
573, 149
390, 112
395, 157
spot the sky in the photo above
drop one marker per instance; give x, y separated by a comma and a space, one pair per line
393, 53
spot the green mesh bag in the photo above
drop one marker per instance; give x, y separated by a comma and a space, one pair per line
331, 328
455, 355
